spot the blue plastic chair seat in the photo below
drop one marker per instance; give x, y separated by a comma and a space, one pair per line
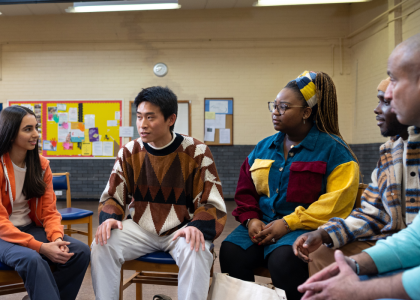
158, 258
71, 213
4, 267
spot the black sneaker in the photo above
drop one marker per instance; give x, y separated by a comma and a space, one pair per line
161, 297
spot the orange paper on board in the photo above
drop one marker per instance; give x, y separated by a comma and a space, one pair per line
81, 126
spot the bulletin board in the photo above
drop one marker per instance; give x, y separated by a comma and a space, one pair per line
77, 128
218, 121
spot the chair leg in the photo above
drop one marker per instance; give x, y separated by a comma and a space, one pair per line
121, 283
69, 228
90, 233
139, 291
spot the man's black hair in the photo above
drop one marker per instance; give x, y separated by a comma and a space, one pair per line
163, 97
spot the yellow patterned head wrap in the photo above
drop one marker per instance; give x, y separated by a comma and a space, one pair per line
306, 84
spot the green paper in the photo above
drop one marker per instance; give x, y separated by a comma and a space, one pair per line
56, 118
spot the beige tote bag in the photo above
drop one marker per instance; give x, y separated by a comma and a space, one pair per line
229, 288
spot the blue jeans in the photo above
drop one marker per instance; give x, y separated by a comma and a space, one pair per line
40, 282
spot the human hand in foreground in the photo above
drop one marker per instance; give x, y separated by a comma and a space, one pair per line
103, 233
63, 248
271, 233
337, 281
255, 226
54, 253
193, 236
309, 242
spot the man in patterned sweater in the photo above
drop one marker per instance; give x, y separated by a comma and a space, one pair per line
386, 203
169, 184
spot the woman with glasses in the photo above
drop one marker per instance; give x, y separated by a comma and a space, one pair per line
291, 183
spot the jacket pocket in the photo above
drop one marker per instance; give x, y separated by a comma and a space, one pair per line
259, 173
305, 181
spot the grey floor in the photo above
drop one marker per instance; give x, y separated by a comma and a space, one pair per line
86, 291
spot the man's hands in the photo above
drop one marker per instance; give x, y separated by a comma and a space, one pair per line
255, 226
193, 235
103, 233
309, 242
63, 248
337, 281
53, 251
273, 230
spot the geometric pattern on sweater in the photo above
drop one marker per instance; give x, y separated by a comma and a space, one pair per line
380, 215
166, 189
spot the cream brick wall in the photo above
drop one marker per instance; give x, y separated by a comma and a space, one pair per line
369, 54
247, 54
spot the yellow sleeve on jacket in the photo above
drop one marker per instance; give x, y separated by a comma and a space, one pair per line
338, 201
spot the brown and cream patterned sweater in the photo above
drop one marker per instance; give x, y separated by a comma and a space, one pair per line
166, 189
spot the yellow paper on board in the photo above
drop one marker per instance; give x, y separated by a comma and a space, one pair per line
86, 134
74, 125
86, 149
210, 115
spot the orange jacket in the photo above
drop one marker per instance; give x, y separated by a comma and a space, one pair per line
43, 210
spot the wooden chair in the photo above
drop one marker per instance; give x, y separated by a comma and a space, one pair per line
264, 272
70, 214
10, 281
155, 268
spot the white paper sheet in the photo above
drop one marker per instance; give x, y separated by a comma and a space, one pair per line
110, 123
117, 115
61, 107
209, 134
220, 121
62, 117
97, 149
73, 114
224, 136
89, 121
28, 106
209, 123
108, 148
126, 131
62, 134
219, 107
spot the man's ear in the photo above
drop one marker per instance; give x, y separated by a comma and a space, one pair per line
172, 119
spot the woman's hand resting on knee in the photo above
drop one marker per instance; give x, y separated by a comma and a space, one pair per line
255, 226
271, 233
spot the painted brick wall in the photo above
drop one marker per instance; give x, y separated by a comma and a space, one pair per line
88, 177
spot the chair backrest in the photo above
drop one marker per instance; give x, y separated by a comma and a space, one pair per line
61, 181
362, 188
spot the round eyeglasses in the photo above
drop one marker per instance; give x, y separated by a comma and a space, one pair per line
281, 108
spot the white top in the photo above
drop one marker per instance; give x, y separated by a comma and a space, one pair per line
20, 211
167, 145
404, 180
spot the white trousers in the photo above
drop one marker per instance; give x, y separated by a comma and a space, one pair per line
132, 242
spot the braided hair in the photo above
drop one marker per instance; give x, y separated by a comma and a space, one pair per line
325, 112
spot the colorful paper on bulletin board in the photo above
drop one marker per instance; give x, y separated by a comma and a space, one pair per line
49, 146
86, 149
219, 106
77, 136
67, 146
210, 115
93, 134
103, 111
61, 107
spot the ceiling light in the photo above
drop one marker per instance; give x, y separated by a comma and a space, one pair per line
81, 7
301, 2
